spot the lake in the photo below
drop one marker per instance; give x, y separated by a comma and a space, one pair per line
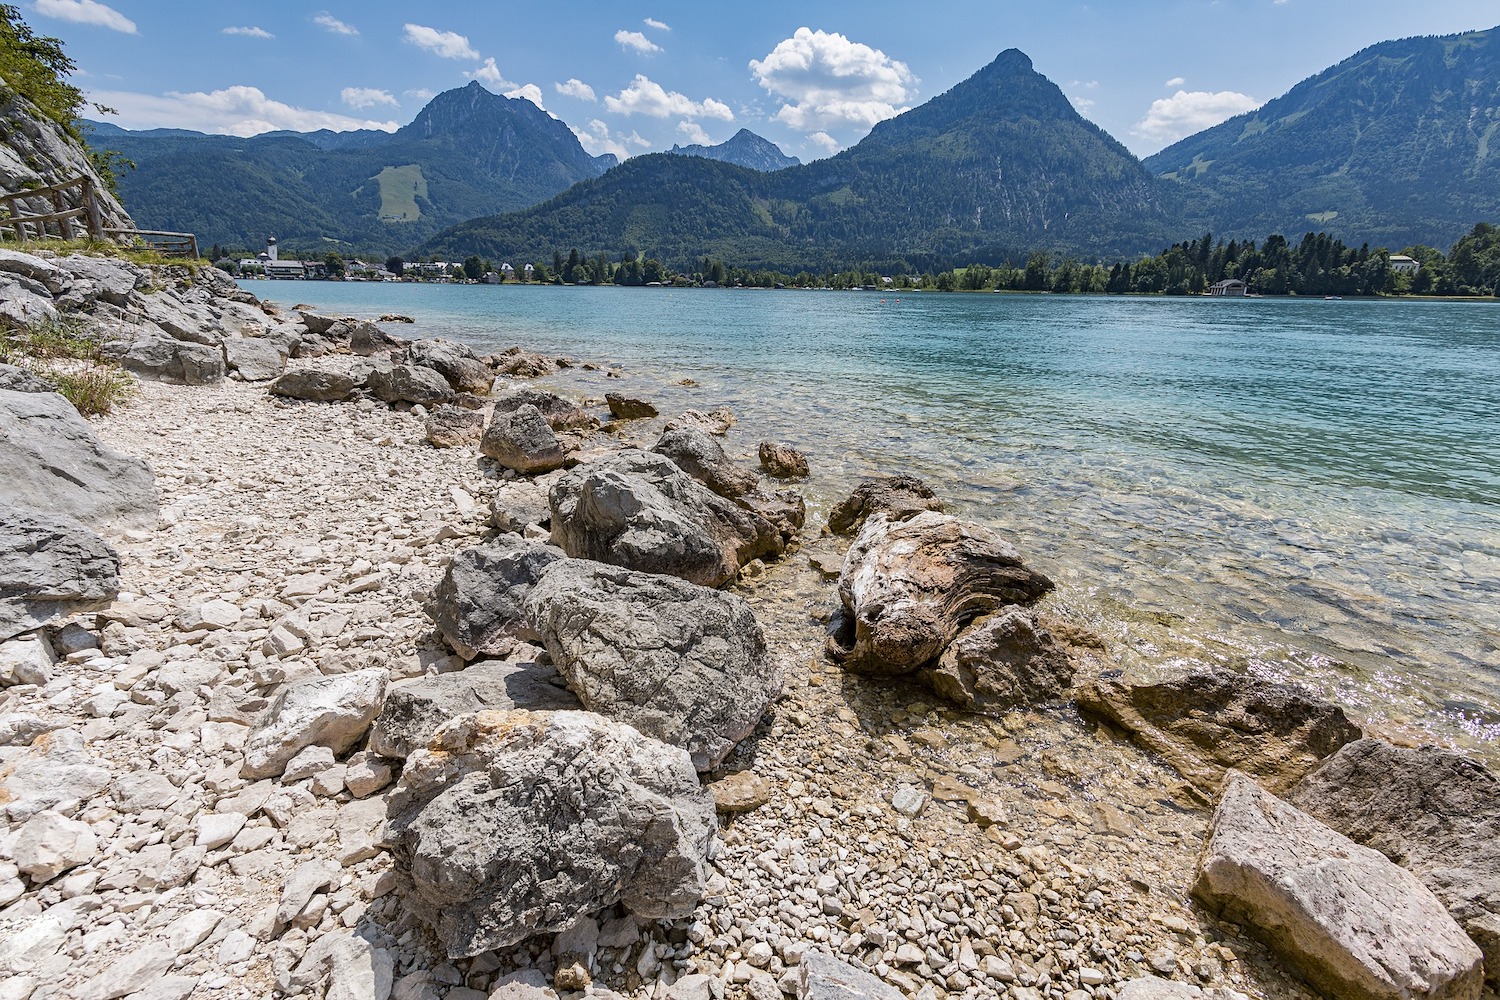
1306, 489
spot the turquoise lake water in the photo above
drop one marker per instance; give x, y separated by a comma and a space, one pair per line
1308, 489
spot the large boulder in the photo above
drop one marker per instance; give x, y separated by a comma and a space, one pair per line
479, 606
522, 440
1000, 662
51, 462
898, 498
908, 587
165, 359
560, 414
457, 363
315, 386
332, 712
367, 340
698, 454
414, 709
254, 359
639, 510
409, 384
1432, 811
450, 426
1345, 917
1204, 722
51, 567
515, 823
683, 664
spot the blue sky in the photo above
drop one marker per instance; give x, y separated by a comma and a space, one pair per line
632, 79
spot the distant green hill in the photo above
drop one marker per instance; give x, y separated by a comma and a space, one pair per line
998, 166
1397, 145
467, 153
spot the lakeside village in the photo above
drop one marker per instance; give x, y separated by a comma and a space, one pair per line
1317, 265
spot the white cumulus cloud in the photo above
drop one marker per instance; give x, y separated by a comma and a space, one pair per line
367, 97
694, 133
490, 73
652, 22
333, 24
1176, 81
242, 111
249, 32
646, 97
448, 44
828, 81
421, 94
530, 92
86, 12
825, 141
575, 88
636, 40
1189, 111
598, 138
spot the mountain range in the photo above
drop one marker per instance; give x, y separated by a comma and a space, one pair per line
1397, 145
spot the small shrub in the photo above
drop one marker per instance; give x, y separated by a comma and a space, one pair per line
63, 353
93, 390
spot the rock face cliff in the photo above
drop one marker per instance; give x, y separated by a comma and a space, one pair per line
35, 152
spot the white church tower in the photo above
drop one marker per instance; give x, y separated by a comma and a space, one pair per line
271, 247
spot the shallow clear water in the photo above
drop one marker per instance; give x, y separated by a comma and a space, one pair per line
1305, 488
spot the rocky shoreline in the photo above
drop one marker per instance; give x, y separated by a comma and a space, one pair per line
202, 777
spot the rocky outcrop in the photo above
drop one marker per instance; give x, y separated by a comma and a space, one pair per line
683, 664
522, 440
409, 384
1434, 812
51, 567
1350, 921
165, 359
908, 587
639, 510
479, 606
560, 414
415, 709
623, 407
700, 456
898, 498
1002, 662
782, 461
1204, 722
518, 823
332, 712
457, 363
35, 152
51, 462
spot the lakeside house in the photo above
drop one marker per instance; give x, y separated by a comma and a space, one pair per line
1402, 264
1229, 288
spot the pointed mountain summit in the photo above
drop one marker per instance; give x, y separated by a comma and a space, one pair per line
468, 152
745, 149
999, 166
1399, 144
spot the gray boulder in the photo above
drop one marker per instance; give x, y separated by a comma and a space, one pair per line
520, 503
908, 588
332, 712
414, 709
450, 426
457, 363
164, 359
1433, 812
823, 977
898, 498
367, 339
525, 820
55, 772
409, 384
639, 510
319, 325
479, 606
51, 462
51, 567
1000, 662
315, 386
24, 301
1204, 722
782, 461
683, 664
522, 440
254, 360
699, 455
560, 414
1346, 918
785, 509
20, 380
627, 407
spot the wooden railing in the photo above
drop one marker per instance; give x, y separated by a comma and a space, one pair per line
83, 219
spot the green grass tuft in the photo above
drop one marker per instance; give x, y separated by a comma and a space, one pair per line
64, 354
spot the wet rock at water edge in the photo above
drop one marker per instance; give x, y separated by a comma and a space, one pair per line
521, 821
700, 456
1000, 662
899, 498
628, 407
782, 461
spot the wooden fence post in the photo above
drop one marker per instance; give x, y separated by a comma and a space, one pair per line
91, 203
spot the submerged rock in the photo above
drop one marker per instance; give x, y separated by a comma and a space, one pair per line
683, 664
1433, 812
1350, 921
908, 588
1204, 722
639, 510
517, 822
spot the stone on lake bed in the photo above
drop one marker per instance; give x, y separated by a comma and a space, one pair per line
782, 461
